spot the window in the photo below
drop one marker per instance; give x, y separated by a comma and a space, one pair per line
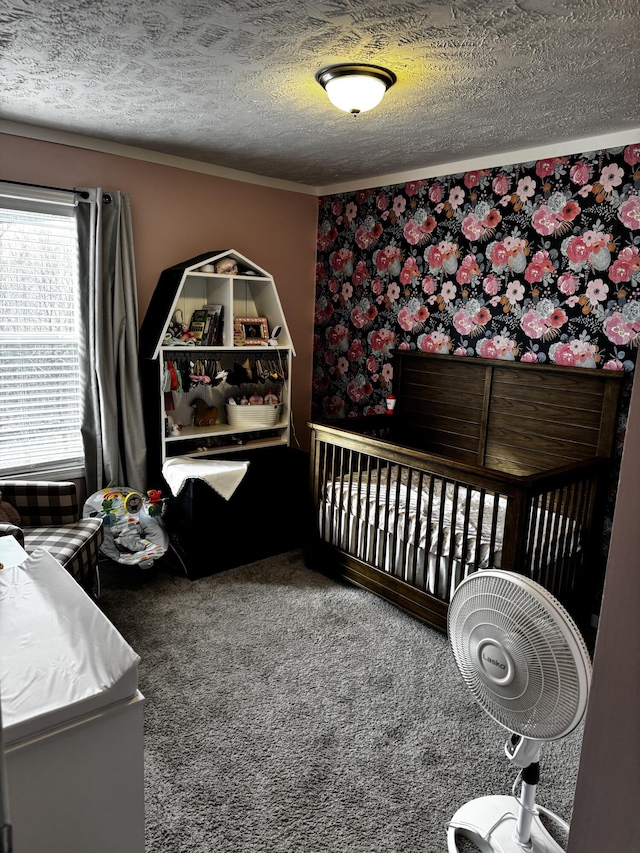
40, 382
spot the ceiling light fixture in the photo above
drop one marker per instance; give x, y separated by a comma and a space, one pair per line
355, 87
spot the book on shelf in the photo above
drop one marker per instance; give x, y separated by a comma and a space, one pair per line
213, 326
207, 330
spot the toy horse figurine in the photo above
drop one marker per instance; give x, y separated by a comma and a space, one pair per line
204, 415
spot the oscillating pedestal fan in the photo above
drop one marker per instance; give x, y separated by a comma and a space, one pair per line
526, 664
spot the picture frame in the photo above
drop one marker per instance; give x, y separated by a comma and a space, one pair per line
250, 331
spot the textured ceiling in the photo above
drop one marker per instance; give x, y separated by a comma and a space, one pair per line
232, 83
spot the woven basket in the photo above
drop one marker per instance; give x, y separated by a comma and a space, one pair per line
253, 416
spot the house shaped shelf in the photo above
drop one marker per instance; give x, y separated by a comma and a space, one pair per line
219, 313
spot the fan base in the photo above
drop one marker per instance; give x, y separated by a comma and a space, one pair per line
490, 823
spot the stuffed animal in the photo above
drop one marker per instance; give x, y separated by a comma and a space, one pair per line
204, 415
155, 503
8, 513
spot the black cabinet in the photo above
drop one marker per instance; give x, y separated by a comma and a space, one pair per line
268, 514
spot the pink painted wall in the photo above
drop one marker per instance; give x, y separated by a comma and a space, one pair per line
606, 799
178, 214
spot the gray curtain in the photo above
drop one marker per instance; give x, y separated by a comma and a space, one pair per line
112, 422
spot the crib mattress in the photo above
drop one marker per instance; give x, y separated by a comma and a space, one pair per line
429, 515
62, 659
427, 531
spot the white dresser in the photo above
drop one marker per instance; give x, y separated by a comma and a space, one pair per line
72, 716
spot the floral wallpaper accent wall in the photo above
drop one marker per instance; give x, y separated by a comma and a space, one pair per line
534, 262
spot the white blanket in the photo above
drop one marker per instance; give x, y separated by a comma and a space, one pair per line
223, 477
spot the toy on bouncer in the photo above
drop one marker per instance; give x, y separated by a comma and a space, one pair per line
156, 504
134, 533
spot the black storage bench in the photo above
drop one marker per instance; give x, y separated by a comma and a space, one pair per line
266, 515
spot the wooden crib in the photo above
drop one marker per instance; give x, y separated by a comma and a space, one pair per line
483, 463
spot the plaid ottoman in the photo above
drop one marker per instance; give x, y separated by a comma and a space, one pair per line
75, 545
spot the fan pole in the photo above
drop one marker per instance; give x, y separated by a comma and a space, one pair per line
527, 802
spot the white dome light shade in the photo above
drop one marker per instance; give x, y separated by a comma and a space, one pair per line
354, 93
355, 88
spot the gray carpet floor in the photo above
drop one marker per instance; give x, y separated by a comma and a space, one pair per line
286, 712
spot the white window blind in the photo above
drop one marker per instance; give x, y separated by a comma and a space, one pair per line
39, 340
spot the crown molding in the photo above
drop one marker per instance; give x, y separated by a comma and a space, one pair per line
105, 146
506, 158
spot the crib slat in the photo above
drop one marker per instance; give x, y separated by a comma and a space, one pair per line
440, 592
465, 533
427, 547
393, 544
548, 536
358, 537
494, 529
477, 556
334, 492
450, 583
319, 486
549, 574
569, 533
349, 515
403, 571
538, 537
340, 484
560, 540
417, 533
340, 496
374, 557
574, 523
366, 536
545, 517
387, 503
583, 503
530, 536
331, 461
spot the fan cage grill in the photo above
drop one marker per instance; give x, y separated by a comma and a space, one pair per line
546, 698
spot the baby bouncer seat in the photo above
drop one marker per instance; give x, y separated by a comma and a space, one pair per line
134, 533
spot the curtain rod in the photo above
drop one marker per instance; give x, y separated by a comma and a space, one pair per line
81, 193
106, 197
